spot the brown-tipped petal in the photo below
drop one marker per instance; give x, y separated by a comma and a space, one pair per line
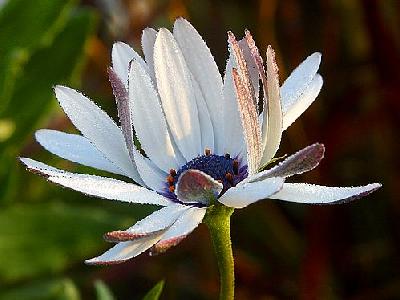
272, 115
122, 99
163, 246
189, 220
125, 250
196, 186
249, 118
124, 236
298, 163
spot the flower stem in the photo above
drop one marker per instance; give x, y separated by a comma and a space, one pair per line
218, 222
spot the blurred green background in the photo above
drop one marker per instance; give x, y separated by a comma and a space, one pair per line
283, 251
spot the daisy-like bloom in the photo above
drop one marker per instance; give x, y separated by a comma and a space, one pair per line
205, 139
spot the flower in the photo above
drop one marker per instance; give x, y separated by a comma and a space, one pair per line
204, 138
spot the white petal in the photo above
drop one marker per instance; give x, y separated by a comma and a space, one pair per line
243, 195
186, 223
75, 148
149, 120
206, 126
121, 56
177, 96
299, 79
204, 70
152, 176
272, 126
98, 128
149, 36
97, 186
298, 163
302, 102
125, 250
232, 141
316, 194
152, 224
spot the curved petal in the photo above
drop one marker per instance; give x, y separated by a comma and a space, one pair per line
102, 187
197, 186
149, 120
317, 194
272, 114
98, 128
75, 148
121, 55
159, 220
298, 163
243, 195
149, 36
204, 70
125, 250
178, 100
291, 113
152, 176
188, 221
298, 81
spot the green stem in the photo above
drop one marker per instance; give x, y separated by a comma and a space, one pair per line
218, 222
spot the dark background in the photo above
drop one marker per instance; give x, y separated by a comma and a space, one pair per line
282, 251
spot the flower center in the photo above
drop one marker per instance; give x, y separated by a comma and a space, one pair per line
224, 169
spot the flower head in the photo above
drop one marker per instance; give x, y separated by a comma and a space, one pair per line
204, 139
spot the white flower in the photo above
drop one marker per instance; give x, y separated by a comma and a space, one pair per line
203, 137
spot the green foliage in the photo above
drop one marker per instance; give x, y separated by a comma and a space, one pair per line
155, 292
59, 289
102, 291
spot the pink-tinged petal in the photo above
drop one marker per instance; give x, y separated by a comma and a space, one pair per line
149, 36
189, 220
303, 101
204, 70
149, 120
197, 186
247, 107
316, 194
92, 185
125, 250
122, 98
243, 195
302, 161
98, 128
178, 98
251, 67
151, 225
75, 148
272, 113
298, 81
121, 55
249, 121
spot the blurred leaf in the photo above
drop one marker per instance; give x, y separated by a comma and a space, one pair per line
42, 238
102, 291
63, 289
33, 93
47, 67
25, 26
155, 292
